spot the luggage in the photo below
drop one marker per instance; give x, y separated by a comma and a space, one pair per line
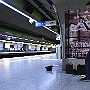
49, 68
81, 70
69, 68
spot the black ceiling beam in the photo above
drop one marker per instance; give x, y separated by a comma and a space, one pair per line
44, 9
20, 29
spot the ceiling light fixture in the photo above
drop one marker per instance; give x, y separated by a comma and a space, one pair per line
31, 40
26, 39
50, 30
31, 20
11, 7
20, 38
37, 41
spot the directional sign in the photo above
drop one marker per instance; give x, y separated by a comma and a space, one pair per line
38, 24
57, 37
45, 23
51, 23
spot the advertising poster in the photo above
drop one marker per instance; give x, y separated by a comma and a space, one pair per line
77, 33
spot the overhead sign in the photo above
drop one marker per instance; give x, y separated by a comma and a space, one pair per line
51, 23
57, 37
38, 24
45, 23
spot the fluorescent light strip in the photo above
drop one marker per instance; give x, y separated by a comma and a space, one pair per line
50, 30
11, 7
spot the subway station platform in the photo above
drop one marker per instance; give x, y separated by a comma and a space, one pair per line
29, 73
20, 54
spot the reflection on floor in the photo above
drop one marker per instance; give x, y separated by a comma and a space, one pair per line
29, 73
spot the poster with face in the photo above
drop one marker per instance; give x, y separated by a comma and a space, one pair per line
77, 33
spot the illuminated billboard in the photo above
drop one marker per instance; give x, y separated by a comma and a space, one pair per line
77, 37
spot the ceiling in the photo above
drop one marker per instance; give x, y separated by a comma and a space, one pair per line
44, 7
10, 18
62, 6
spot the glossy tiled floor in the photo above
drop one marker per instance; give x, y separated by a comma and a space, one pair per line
28, 73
